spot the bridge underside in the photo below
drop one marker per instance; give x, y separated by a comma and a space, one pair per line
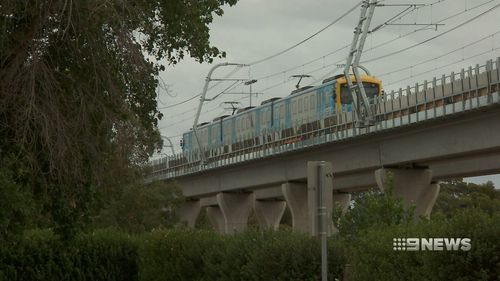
450, 147
418, 156
421, 137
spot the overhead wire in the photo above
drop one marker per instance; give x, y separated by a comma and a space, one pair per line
280, 52
308, 38
236, 69
384, 43
475, 42
401, 50
433, 37
342, 48
437, 22
443, 66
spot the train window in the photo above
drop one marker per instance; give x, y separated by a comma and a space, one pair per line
300, 105
282, 111
312, 100
370, 89
306, 103
294, 107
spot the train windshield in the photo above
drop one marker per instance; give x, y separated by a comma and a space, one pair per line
371, 90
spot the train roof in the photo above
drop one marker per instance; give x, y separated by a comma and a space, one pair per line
332, 78
220, 118
269, 100
244, 109
202, 124
296, 91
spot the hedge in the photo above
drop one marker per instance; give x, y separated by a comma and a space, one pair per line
255, 255
40, 255
373, 257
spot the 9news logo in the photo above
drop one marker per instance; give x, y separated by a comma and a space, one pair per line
431, 244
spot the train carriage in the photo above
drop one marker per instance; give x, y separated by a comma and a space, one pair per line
280, 120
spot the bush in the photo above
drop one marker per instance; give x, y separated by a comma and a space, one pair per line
374, 259
41, 255
253, 255
176, 255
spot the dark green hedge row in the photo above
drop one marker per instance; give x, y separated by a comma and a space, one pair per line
203, 255
373, 258
40, 255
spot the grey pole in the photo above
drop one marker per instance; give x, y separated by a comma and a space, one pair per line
323, 225
170, 142
202, 99
250, 82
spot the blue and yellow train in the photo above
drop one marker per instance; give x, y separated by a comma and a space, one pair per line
307, 109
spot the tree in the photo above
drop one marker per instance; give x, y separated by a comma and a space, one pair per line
455, 195
372, 209
78, 87
138, 208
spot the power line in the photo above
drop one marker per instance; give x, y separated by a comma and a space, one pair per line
344, 47
396, 52
440, 56
230, 88
404, 13
423, 28
373, 48
441, 67
308, 38
434, 37
236, 69
384, 43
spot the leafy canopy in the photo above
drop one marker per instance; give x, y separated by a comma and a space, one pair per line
78, 84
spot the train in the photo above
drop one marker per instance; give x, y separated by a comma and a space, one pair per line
291, 118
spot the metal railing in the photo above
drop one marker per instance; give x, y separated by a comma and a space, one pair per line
469, 89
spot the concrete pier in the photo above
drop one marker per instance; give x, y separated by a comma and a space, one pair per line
413, 185
269, 213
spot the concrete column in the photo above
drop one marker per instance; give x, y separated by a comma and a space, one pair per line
342, 200
296, 199
235, 209
269, 213
414, 186
216, 218
189, 212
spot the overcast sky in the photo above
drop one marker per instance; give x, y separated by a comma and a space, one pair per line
255, 29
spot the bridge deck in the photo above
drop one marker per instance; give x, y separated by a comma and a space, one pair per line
469, 90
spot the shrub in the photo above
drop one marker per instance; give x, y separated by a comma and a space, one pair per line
103, 255
176, 255
374, 259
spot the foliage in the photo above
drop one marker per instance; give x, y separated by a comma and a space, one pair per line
78, 91
138, 208
41, 255
457, 195
373, 208
15, 206
176, 255
253, 255
374, 259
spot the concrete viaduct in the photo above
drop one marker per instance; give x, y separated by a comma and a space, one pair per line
448, 127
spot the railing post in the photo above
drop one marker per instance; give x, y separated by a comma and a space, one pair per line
434, 85
408, 93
